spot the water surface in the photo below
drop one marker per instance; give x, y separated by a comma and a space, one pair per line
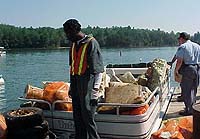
22, 67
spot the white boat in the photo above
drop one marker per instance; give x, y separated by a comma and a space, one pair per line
2, 51
117, 126
1, 80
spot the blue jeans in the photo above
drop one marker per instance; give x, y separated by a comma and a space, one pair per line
189, 84
83, 113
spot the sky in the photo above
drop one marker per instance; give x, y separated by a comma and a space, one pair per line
167, 15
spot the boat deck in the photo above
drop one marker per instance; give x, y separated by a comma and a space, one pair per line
175, 106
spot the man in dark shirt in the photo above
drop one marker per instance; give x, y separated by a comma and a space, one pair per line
86, 68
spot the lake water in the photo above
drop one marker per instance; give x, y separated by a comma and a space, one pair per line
22, 67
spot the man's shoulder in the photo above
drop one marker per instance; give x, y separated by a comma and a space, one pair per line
93, 41
191, 43
88, 39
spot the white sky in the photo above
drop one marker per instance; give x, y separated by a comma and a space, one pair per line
168, 15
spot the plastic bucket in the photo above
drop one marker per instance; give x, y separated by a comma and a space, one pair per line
196, 120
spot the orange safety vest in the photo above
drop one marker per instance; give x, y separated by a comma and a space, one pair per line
79, 59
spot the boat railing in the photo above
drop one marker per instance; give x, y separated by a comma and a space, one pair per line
116, 105
131, 105
33, 101
119, 105
115, 71
52, 107
60, 101
162, 87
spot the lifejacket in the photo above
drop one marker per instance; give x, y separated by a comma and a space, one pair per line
79, 59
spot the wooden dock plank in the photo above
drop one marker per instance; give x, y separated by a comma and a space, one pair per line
175, 106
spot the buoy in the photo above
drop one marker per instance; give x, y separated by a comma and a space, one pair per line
1, 80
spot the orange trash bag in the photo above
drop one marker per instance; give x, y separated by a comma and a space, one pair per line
169, 130
65, 106
62, 94
186, 126
137, 110
3, 127
179, 128
32, 92
55, 91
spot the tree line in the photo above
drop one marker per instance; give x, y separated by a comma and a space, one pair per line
12, 37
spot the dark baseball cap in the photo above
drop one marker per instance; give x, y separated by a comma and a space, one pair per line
72, 25
184, 35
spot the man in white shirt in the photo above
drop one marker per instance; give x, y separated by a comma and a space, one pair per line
188, 60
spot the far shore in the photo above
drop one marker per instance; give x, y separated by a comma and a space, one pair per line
55, 48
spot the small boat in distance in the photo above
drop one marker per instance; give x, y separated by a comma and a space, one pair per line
1, 80
2, 51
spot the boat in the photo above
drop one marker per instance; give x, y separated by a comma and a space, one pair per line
2, 51
1, 80
117, 125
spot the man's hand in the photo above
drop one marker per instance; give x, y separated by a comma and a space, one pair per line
94, 97
169, 63
95, 93
177, 73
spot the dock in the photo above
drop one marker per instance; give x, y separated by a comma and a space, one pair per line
174, 106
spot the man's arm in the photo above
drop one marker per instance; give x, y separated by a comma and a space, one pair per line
178, 65
97, 81
96, 86
97, 69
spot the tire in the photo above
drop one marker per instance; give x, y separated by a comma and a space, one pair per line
16, 120
36, 132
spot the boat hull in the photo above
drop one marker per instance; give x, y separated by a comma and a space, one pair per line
112, 126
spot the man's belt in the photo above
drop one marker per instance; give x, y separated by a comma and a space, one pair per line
192, 64
198, 65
